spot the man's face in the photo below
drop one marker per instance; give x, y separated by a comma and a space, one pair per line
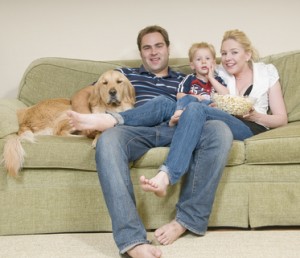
155, 54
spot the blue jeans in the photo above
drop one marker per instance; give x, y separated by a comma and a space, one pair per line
160, 109
208, 146
187, 99
196, 113
182, 146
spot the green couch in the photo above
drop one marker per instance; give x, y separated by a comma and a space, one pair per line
58, 189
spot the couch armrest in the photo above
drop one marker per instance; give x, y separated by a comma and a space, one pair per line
8, 116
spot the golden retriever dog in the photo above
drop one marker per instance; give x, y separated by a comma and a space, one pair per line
112, 92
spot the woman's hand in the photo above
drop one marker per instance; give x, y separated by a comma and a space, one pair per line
251, 116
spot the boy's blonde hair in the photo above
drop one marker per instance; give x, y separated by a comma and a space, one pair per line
242, 39
200, 45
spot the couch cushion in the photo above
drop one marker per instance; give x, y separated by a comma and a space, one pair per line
156, 156
289, 72
58, 78
78, 153
74, 152
277, 146
8, 116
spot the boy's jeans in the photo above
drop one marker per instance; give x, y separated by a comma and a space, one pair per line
187, 99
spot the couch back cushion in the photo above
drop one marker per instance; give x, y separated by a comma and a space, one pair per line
58, 78
288, 65
52, 77
62, 77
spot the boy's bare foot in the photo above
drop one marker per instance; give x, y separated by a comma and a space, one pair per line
157, 184
175, 118
144, 251
99, 122
169, 233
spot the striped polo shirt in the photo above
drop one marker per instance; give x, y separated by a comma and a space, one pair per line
147, 85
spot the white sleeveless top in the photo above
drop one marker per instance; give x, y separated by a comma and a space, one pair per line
264, 77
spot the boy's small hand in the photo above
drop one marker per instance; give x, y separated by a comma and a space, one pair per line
211, 71
213, 104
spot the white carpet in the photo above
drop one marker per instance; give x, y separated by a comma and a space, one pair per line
216, 244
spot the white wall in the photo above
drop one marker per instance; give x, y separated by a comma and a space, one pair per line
107, 29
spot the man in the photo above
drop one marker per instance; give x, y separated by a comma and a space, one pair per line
128, 143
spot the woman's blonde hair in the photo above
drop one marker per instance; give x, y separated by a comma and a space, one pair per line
245, 42
197, 46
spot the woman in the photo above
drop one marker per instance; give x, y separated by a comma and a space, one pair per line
242, 74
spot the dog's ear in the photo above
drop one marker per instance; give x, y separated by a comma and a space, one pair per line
95, 94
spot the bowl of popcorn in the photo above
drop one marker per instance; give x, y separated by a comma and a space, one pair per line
234, 105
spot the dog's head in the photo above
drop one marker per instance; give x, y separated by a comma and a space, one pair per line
112, 92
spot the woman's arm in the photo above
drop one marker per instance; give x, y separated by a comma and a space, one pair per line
278, 116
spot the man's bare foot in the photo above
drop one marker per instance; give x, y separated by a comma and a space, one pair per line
144, 251
99, 122
169, 233
157, 184
175, 118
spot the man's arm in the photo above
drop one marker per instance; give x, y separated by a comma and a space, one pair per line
80, 99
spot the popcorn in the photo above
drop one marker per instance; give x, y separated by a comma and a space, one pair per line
234, 105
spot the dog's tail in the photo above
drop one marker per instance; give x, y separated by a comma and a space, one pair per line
13, 153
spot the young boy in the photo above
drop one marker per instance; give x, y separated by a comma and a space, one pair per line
199, 85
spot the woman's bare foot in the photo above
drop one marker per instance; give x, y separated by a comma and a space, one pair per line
144, 251
169, 233
175, 118
99, 122
157, 184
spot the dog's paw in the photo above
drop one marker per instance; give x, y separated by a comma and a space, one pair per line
94, 143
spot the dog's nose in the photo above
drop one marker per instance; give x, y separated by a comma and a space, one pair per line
112, 92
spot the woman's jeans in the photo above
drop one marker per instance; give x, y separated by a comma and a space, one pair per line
160, 109
202, 146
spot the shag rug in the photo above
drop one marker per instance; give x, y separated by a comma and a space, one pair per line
217, 243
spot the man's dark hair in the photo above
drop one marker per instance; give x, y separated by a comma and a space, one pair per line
151, 29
